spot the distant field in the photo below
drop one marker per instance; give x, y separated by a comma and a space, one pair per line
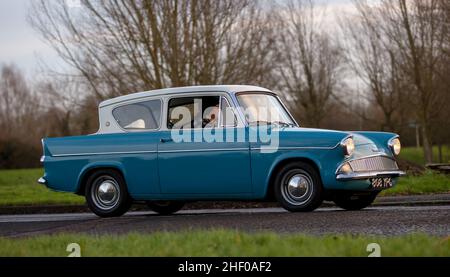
225, 243
415, 154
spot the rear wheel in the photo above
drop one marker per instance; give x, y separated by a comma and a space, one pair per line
298, 187
165, 207
354, 201
106, 193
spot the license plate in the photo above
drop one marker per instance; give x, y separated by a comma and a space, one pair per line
381, 183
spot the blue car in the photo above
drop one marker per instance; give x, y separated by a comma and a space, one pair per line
171, 146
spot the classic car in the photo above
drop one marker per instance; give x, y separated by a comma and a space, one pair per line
156, 147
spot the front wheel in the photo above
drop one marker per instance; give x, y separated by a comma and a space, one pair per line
165, 207
106, 194
298, 187
354, 202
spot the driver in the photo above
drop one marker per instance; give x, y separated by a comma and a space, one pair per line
210, 120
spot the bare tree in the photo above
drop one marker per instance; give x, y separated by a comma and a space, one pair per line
19, 120
17, 103
30, 111
373, 59
440, 130
416, 35
67, 110
125, 46
310, 61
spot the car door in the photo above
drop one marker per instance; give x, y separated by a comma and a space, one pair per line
205, 162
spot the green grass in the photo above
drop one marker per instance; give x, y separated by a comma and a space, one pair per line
415, 155
429, 182
225, 243
19, 187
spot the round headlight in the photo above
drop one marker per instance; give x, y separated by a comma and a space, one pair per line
348, 145
395, 146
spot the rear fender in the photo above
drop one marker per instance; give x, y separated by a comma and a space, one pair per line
98, 165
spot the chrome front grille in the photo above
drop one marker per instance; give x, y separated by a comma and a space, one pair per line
376, 163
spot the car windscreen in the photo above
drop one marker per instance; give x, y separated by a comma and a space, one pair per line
264, 108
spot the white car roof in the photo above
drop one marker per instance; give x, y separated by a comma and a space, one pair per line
221, 88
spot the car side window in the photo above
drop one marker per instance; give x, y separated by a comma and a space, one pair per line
193, 112
144, 115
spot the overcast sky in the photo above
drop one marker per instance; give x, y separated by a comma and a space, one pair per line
21, 45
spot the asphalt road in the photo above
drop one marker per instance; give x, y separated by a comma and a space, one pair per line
390, 220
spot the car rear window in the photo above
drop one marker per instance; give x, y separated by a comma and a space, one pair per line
144, 115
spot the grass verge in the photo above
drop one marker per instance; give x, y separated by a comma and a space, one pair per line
429, 182
225, 243
20, 187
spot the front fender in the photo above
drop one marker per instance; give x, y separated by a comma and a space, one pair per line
381, 139
269, 162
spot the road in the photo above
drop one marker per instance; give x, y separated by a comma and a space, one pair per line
387, 220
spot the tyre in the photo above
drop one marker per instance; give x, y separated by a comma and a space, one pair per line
354, 202
298, 187
165, 207
106, 193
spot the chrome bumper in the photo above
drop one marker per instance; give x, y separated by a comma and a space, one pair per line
42, 181
369, 174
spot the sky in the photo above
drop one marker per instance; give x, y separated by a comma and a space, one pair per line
21, 45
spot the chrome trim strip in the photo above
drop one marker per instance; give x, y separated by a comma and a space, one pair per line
369, 174
42, 181
302, 147
196, 150
42, 159
293, 148
144, 152
204, 150
103, 153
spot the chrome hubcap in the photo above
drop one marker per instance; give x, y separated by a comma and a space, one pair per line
106, 193
297, 188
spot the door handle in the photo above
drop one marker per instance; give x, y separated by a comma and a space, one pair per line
164, 140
